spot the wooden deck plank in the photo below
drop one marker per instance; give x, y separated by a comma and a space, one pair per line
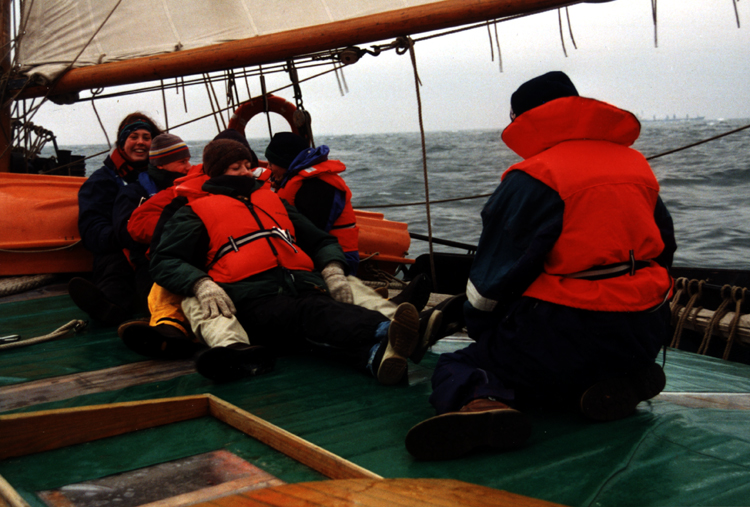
725, 401
110, 379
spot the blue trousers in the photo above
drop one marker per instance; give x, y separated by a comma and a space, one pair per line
544, 352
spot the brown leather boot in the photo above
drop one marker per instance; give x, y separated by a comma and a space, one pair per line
481, 423
615, 398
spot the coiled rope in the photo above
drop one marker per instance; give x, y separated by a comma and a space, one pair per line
16, 284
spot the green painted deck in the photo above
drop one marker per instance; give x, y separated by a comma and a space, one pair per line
667, 454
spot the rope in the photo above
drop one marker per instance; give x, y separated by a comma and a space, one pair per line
735, 320
14, 285
695, 296
417, 84
73, 325
718, 315
44, 250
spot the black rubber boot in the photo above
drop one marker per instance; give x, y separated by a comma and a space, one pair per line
234, 362
160, 342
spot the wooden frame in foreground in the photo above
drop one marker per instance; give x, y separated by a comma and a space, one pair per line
22, 434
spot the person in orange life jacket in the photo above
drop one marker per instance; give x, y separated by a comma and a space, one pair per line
246, 260
308, 180
167, 335
112, 294
567, 291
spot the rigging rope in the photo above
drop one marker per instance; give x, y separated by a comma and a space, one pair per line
72, 326
418, 83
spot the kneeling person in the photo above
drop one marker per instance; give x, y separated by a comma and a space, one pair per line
248, 261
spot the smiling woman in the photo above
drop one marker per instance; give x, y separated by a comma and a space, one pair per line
114, 277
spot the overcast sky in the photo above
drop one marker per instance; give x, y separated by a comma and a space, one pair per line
701, 67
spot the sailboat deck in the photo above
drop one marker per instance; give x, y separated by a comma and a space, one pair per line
687, 447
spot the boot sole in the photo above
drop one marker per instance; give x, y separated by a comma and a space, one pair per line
617, 398
403, 334
452, 435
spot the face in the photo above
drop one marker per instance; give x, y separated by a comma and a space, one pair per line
179, 166
277, 173
241, 168
137, 145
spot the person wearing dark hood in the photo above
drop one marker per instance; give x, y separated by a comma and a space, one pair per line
567, 291
111, 296
259, 279
311, 182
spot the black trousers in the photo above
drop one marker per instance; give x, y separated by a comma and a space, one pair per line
120, 283
311, 323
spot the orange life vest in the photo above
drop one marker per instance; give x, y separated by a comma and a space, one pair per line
247, 238
610, 194
345, 227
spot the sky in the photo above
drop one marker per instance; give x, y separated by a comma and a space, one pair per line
701, 67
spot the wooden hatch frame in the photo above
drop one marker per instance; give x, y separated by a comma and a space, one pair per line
22, 434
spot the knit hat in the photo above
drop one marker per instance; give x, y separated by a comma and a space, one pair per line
166, 148
219, 154
284, 148
236, 135
535, 92
138, 124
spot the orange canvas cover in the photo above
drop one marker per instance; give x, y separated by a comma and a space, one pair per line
39, 224
382, 240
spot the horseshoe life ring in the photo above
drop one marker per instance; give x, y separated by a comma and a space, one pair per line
247, 110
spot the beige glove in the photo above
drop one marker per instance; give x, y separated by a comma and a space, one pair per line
214, 301
333, 274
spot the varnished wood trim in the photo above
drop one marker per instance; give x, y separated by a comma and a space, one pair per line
22, 434
278, 47
305, 452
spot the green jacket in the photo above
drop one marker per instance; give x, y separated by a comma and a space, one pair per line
179, 259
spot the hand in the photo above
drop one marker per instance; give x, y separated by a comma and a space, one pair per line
333, 274
214, 301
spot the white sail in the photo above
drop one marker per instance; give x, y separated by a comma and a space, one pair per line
58, 34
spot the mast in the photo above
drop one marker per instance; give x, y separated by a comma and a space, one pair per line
5, 64
282, 46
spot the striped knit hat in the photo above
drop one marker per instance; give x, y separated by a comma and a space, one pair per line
166, 148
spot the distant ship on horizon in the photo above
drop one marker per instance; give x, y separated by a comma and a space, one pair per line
673, 118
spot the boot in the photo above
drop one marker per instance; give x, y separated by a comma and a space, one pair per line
430, 322
615, 398
160, 342
403, 335
453, 316
91, 300
234, 362
417, 292
481, 423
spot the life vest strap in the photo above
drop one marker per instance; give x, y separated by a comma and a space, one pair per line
610, 270
234, 244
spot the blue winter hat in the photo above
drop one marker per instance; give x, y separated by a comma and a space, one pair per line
540, 90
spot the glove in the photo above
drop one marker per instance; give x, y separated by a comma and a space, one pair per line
214, 301
333, 274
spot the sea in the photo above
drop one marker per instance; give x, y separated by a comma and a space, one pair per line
706, 188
